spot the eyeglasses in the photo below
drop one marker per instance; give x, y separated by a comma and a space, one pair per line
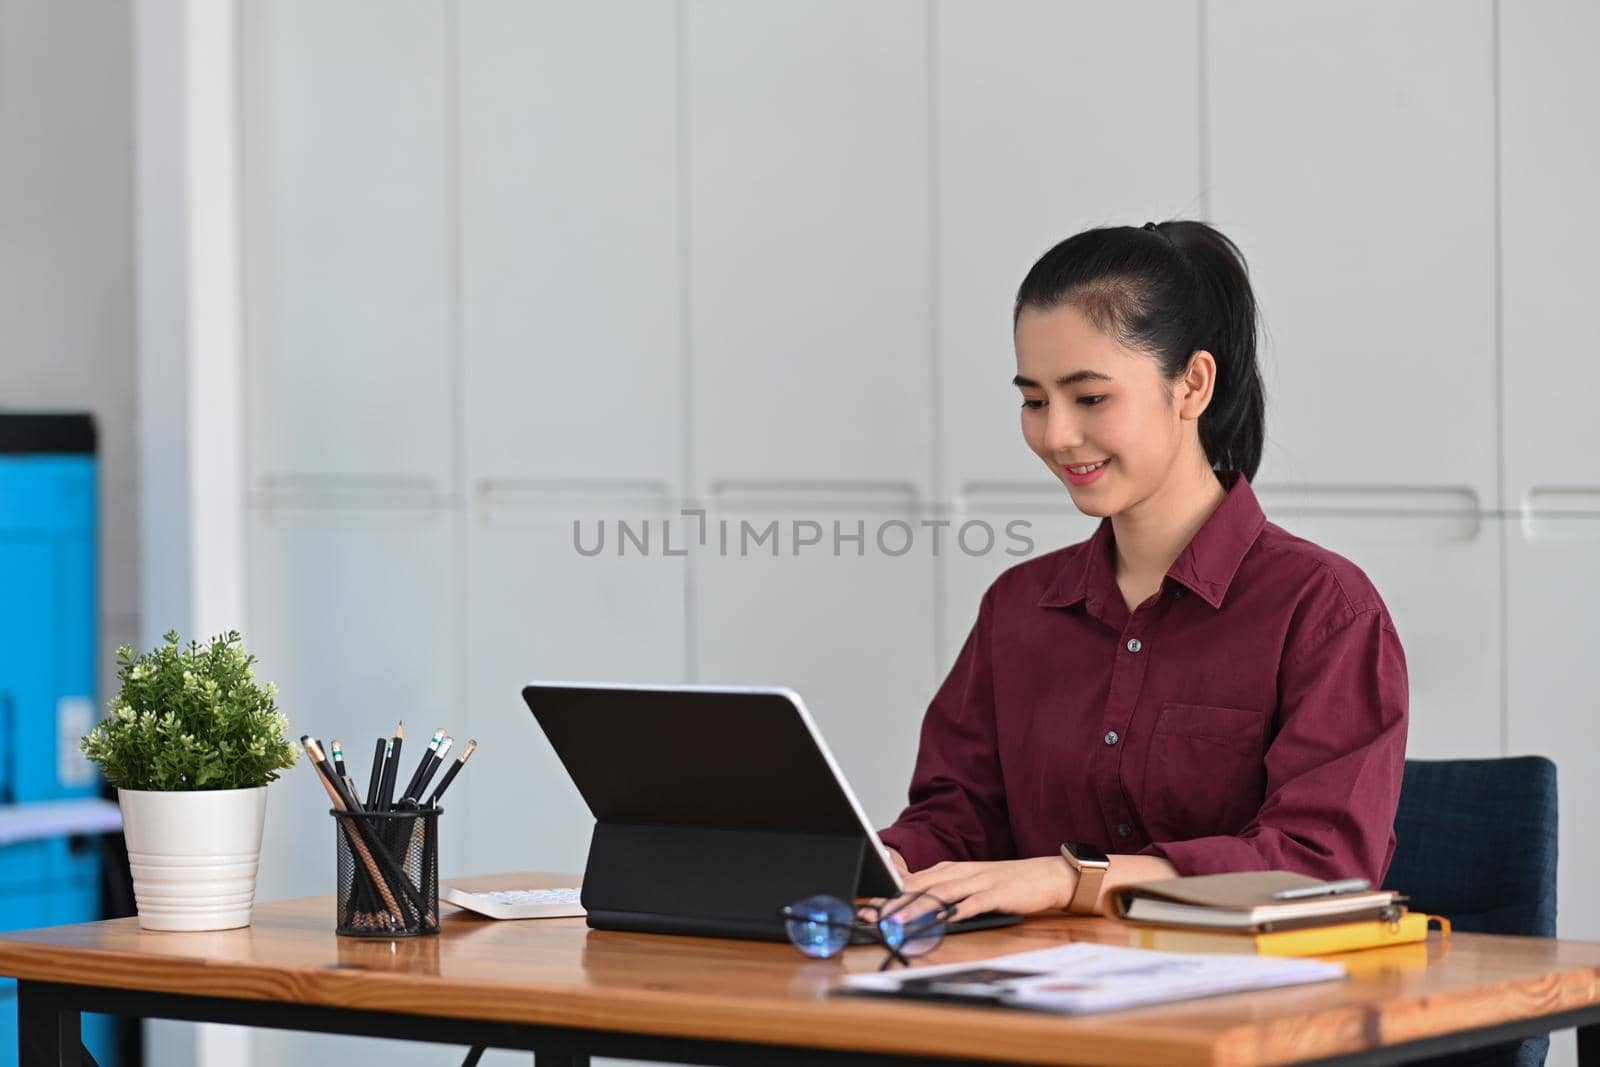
822, 926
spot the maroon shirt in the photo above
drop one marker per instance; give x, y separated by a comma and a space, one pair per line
1249, 715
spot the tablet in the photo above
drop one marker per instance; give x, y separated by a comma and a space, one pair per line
706, 757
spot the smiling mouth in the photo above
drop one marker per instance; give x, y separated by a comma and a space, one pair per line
1088, 468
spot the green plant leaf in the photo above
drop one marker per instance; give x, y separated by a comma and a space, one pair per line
189, 718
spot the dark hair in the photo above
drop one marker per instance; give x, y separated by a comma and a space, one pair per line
1171, 290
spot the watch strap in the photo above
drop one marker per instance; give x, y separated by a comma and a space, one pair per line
1086, 894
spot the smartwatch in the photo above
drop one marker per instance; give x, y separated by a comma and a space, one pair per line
1091, 864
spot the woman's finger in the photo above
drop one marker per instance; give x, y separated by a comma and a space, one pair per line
955, 889
977, 904
942, 871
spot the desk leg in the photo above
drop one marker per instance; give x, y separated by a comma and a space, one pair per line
1589, 1045
47, 1030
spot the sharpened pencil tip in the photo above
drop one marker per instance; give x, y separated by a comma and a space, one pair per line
400, 730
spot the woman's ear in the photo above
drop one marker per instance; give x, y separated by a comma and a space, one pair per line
1196, 386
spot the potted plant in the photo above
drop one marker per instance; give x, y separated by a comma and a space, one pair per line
191, 742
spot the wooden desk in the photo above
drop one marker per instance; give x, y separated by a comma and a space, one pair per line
565, 992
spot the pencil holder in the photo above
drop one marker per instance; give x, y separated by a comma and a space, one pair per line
388, 872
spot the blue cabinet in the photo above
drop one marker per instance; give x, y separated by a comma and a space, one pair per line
47, 678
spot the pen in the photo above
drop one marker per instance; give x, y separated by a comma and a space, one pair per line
1323, 889
450, 776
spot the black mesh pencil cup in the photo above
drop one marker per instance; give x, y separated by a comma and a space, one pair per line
388, 872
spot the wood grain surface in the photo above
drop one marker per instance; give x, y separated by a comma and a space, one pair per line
558, 972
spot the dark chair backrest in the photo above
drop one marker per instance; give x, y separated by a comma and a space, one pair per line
1475, 841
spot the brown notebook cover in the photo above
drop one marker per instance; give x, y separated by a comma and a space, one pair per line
1242, 900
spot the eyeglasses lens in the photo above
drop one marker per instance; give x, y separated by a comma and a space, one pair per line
915, 927
819, 926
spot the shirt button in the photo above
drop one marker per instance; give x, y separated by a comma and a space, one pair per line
1123, 829
1111, 737
1134, 644
1177, 592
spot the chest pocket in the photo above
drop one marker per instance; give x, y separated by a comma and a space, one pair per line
1206, 772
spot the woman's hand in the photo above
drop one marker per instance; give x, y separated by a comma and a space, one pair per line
1021, 886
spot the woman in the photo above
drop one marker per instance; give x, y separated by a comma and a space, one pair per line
1191, 690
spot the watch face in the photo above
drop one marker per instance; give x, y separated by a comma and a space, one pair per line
1086, 854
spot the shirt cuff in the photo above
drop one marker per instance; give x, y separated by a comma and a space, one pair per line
919, 850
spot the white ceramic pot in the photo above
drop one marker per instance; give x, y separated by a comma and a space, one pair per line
194, 855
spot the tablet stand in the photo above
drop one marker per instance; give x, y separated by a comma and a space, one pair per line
714, 882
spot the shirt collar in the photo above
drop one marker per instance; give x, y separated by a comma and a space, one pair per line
1205, 567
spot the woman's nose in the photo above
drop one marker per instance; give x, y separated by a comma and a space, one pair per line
1062, 432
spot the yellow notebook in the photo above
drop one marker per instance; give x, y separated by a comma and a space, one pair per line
1306, 941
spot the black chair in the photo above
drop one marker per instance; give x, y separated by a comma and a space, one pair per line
1476, 843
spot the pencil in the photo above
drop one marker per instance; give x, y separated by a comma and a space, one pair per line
413, 798
390, 763
433, 767
380, 747
422, 765
397, 876
338, 757
357, 839
450, 776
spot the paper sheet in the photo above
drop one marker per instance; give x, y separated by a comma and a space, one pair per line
1084, 977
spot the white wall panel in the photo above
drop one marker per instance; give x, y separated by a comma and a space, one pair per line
353, 615
1553, 567
853, 633
1043, 129
1553, 682
346, 159
571, 240
809, 247
1551, 217
1351, 154
1553, 697
538, 609
1550, 221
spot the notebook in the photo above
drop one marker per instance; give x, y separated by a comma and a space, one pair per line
1243, 901
1306, 941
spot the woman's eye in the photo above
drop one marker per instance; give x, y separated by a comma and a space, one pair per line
1032, 405
1091, 401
